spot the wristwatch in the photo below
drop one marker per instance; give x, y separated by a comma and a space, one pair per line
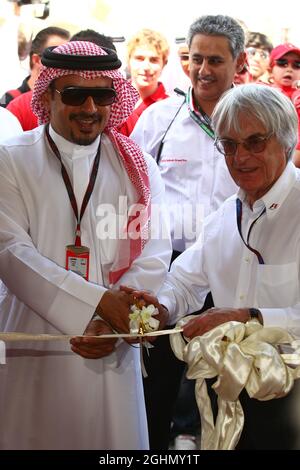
255, 314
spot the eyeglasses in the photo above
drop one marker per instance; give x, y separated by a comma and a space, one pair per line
254, 144
295, 64
76, 96
252, 51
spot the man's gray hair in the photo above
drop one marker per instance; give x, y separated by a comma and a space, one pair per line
220, 25
269, 106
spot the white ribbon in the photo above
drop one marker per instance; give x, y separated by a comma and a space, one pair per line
45, 337
240, 356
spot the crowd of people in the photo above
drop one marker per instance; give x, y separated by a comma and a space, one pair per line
113, 189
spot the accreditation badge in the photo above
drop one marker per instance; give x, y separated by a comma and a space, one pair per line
78, 260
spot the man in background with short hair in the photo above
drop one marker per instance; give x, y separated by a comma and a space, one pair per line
51, 36
258, 48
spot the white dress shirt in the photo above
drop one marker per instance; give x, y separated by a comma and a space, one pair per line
53, 397
194, 172
222, 263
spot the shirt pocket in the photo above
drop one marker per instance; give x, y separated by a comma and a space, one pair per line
277, 285
110, 228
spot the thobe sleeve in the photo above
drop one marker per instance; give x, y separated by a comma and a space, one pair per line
186, 286
61, 297
10, 125
148, 271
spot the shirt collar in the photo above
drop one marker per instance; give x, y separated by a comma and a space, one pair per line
71, 150
24, 86
159, 94
275, 197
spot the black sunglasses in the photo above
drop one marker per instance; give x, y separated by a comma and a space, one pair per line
284, 63
76, 96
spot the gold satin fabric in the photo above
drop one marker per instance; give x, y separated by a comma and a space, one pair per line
240, 356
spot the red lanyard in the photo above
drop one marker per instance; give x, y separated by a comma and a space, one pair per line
69, 187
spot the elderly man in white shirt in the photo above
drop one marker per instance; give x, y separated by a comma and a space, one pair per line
249, 252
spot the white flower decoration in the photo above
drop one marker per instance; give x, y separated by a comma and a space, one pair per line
141, 319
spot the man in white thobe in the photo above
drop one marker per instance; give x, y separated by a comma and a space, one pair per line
89, 396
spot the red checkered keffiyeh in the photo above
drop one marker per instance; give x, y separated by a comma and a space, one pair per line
132, 157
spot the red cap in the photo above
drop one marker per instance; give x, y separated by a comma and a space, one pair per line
281, 50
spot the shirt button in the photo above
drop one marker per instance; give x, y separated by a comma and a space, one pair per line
247, 260
242, 296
